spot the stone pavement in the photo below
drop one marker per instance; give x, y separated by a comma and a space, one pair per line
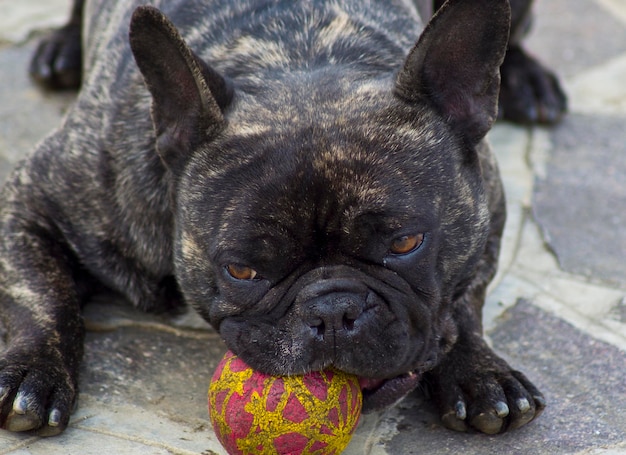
557, 309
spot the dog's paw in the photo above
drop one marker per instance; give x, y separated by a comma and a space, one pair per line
56, 64
529, 92
35, 394
491, 404
484, 395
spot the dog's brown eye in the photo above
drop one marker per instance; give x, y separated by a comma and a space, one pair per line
241, 272
406, 243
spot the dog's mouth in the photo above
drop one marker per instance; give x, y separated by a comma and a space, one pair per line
379, 394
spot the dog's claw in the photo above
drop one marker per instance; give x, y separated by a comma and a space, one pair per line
20, 404
540, 403
502, 409
460, 410
523, 405
55, 418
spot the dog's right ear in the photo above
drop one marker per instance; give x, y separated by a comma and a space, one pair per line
189, 97
455, 65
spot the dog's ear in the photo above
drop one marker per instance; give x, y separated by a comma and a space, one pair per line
188, 96
455, 64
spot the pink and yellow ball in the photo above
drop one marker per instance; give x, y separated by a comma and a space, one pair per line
257, 414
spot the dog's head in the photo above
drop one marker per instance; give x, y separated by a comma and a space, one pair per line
331, 218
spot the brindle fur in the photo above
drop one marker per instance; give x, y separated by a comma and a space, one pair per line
297, 138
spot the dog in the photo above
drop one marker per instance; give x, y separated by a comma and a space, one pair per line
315, 183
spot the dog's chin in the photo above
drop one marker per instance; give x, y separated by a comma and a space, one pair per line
379, 394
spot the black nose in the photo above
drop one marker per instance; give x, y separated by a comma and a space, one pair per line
332, 306
336, 312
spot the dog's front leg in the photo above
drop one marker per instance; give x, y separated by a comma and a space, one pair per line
472, 386
40, 309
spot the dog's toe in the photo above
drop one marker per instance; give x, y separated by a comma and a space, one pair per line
489, 422
529, 92
56, 64
56, 423
25, 415
455, 418
525, 401
35, 396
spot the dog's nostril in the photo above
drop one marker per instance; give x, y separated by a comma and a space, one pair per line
348, 323
318, 327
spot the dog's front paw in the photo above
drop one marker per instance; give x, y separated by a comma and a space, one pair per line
529, 92
36, 393
482, 392
56, 64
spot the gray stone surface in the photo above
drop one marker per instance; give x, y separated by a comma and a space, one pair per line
576, 35
580, 202
556, 310
579, 195
26, 114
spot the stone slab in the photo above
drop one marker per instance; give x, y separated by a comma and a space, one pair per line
580, 202
27, 114
572, 36
582, 378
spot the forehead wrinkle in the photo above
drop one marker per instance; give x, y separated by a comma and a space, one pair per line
352, 176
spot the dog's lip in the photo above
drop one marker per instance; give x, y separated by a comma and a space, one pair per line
370, 383
379, 394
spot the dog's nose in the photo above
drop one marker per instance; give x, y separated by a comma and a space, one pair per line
332, 305
334, 312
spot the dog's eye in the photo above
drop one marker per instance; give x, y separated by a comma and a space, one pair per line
241, 272
406, 243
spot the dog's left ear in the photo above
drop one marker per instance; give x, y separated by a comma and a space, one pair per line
455, 65
188, 96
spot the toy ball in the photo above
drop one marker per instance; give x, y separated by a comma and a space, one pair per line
257, 414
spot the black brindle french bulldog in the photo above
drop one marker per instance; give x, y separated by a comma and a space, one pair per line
314, 184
